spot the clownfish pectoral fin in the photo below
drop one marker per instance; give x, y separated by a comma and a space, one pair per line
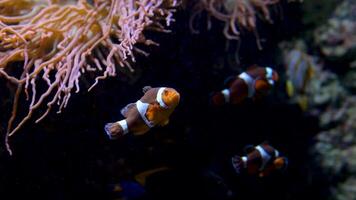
281, 163
146, 88
228, 81
261, 174
125, 109
249, 149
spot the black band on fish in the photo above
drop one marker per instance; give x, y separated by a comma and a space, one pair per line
250, 82
159, 97
142, 109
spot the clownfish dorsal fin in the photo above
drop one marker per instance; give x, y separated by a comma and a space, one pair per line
281, 163
146, 88
249, 148
266, 142
229, 80
252, 67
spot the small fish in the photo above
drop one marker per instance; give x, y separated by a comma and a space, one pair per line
153, 109
300, 69
260, 160
254, 83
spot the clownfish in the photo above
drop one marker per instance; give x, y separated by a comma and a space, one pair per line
259, 160
253, 83
154, 108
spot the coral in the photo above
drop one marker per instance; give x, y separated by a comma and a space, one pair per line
316, 13
59, 42
325, 89
332, 99
337, 38
335, 147
346, 190
350, 80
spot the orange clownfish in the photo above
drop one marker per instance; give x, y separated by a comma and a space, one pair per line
253, 83
154, 108
260, 160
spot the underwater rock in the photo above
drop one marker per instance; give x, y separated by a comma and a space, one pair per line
337, 38
332, 98
346, 190
325, 88
350, 80
335, 147
324, 8
343, 133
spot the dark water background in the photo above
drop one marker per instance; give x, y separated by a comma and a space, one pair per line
68, 156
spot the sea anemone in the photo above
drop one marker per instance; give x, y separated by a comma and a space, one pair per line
58, 41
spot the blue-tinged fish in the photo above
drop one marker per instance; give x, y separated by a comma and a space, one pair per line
259, 160
254, 83
299, 67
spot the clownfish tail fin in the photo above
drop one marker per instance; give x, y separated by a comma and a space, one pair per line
217, 99
116, 130
109, 129
238, 163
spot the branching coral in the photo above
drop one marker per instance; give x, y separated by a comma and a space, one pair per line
58, 42
235, 14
